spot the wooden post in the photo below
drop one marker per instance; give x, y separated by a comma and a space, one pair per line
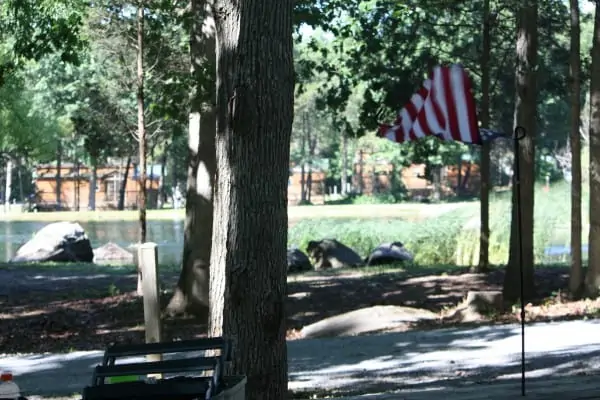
148, 263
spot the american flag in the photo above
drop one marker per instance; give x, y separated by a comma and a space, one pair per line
444, 107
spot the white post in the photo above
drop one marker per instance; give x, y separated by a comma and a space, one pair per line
148, 263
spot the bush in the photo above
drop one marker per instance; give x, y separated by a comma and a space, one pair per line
453, 237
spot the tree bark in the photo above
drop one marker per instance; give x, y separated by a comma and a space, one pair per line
93, 183
191, 294
525, 116
141, 133
8, 186
304, 143
576, 275
59, 153
592, 279
162, 193
255, 103
344, 175
484, 117
123, 189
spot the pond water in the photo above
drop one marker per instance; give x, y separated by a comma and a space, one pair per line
167, 234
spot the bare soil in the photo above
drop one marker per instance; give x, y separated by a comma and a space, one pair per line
47, 310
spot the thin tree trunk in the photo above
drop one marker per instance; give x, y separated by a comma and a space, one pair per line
141, 134
312, 144
592, 279
77, 185
344, 188
59, 154
302, 183
459, 177
192, 292
484, 116
162, 193
8, 188
465, 180
93, 183
255, 101
525, 116
576, 276
20, 176
123, 189
303, 144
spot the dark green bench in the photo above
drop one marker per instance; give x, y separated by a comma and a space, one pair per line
191, 382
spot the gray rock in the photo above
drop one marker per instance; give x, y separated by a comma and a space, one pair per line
59, 242
389, 253
364, 320
297, 261
112, 252
329, 253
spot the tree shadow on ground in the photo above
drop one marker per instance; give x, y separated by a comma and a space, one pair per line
421, 360
64, 311
418, 361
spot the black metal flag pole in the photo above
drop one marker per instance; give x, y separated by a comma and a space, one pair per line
519, 135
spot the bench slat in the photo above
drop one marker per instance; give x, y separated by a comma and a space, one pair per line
165, 367
125, 350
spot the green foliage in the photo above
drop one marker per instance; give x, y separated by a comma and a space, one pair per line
453, 237
36, 28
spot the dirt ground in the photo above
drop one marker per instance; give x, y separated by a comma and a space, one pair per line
44, 310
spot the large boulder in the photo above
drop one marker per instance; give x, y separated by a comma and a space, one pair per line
389, 253
329, 253
297, 261
59, 242
367, 320
111, 252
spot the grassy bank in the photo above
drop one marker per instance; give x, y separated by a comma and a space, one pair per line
451, 237
406, 210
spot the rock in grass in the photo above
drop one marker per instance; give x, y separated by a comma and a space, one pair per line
297, 261
58, 242
112, 252
365, 320
329, 253
389, 253
477, 306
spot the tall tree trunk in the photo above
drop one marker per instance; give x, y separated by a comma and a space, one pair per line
93, 183
484, 117
361, 173
592, 279
303, 145
8, 188
576, 276
255, 103
20, 177
123, 188
77, 185
312, 145
191, 293
459, 183
59, 151
162, 192
141, 133
525, 116
344, 188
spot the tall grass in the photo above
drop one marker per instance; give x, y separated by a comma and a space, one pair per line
453, 237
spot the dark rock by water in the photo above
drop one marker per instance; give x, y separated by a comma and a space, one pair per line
329, 253
297, 261
389, 253
58, 242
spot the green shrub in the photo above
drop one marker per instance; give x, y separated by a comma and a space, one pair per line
453, 237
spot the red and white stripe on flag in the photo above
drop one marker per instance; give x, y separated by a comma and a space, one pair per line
443, 107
